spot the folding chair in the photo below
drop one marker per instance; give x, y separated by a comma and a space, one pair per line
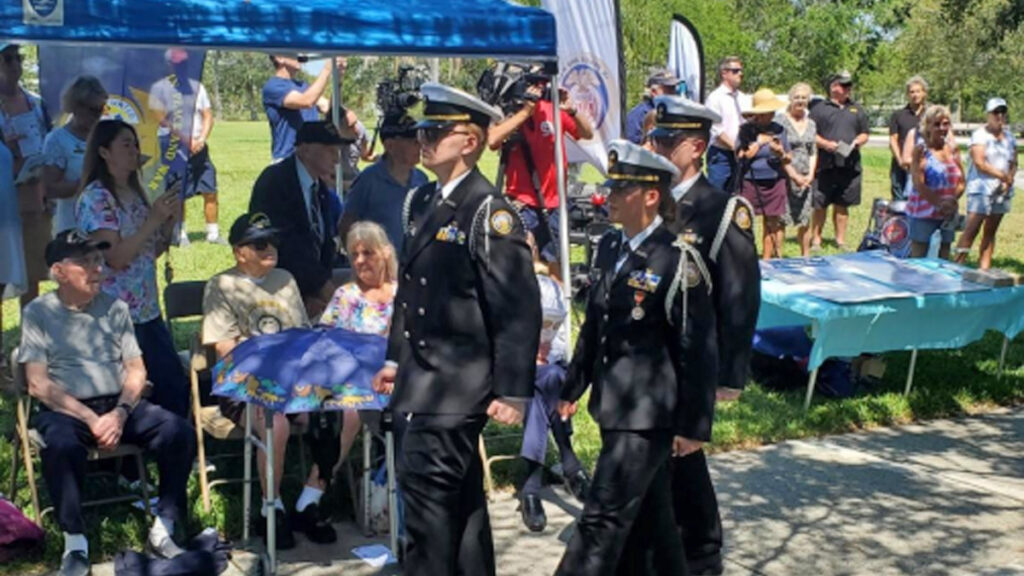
208, 420
31, 444
183, 300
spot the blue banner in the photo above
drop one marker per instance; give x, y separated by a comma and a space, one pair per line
153, 89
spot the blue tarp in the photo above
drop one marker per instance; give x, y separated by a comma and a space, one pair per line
424, 27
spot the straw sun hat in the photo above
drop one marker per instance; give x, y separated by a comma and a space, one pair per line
764, 101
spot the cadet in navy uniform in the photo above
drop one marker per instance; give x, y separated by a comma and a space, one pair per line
641, 349
464, 337
719, 227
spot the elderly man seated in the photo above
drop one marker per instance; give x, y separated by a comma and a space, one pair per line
253, 298
84, 365
541, 412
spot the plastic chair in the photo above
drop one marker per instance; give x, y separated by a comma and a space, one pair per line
31, 445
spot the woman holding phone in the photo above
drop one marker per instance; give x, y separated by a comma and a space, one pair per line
112, 207
763, 152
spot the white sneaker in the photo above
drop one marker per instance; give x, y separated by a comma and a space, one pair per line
183, 241
161, 544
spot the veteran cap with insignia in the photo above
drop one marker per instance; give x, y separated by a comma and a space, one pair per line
674, 114
446, 105
630, 164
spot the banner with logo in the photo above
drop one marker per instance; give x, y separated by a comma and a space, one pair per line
686, 57
153, 89
590, 70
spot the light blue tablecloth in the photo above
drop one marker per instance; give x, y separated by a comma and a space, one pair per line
925, 321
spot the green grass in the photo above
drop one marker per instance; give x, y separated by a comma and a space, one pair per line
948, 383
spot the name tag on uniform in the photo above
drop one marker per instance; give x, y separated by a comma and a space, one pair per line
451, 233
645, 280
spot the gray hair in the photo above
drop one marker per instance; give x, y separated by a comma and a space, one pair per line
916, 79
372, 236
725, 62
80, 91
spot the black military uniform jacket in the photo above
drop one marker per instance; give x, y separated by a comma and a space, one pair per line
467, 315
719, 226
649, 369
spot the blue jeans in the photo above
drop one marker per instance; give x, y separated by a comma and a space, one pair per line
163, 367
721, 168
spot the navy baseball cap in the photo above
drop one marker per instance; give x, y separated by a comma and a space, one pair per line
72, 244
249, 228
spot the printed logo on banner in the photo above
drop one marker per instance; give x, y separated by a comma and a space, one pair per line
587, 79
43, 12
120, 108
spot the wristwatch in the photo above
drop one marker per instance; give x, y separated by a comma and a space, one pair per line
126, 407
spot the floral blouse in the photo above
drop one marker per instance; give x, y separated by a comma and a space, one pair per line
136, 285
350, 310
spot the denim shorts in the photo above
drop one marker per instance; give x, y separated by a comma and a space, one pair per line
983, 204
921, 230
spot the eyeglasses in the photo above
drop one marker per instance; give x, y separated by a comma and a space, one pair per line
436, 134
733, 70
12, 56
262, 244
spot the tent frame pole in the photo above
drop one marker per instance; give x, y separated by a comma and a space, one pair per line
563, 202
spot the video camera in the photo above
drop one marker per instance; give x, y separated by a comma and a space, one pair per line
505, 85
396, 96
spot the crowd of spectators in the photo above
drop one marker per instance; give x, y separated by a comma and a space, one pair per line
84, 220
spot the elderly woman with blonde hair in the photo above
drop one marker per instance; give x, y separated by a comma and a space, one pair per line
366, 303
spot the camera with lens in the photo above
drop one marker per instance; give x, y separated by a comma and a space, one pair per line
395, 96
506, 85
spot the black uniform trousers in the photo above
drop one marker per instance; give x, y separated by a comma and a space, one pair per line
165, 436
696, 510
447, 527
630, 503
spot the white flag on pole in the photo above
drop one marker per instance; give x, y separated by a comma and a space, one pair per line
686, 57
589, 69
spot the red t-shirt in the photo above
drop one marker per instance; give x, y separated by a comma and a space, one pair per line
538, 133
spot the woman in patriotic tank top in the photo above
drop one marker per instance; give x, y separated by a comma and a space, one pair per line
938, 178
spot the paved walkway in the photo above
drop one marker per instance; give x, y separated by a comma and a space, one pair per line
946, 497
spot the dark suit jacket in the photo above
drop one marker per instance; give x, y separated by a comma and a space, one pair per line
467, 315
734, 271
278, 194
648, 373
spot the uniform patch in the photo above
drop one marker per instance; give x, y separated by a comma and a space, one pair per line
502, 222
742, 217
645, 280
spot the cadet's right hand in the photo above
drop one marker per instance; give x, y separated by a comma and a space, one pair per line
566, 409
384, 380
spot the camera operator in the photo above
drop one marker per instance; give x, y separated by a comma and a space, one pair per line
527, 139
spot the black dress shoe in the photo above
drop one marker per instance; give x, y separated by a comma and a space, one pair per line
532, 510
283, 537
317, 530
578, 484
707, 566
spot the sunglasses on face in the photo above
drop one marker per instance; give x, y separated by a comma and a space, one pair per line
733, 70
436, 134
261, 245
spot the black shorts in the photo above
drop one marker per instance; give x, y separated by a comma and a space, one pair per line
837, 186
201, 177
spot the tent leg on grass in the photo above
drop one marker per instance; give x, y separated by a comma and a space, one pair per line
247, 473
810, 388
910, 372
389, 451
367, 471
1002, 357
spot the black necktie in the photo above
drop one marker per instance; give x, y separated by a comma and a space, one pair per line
315, 215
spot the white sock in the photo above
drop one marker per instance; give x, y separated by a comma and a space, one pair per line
73, 542
278, 504
182, 233
212, 230
309, 496
162, 527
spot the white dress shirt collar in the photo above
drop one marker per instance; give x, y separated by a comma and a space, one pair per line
683, 187
450, 186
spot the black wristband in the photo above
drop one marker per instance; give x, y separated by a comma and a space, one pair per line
126, 407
